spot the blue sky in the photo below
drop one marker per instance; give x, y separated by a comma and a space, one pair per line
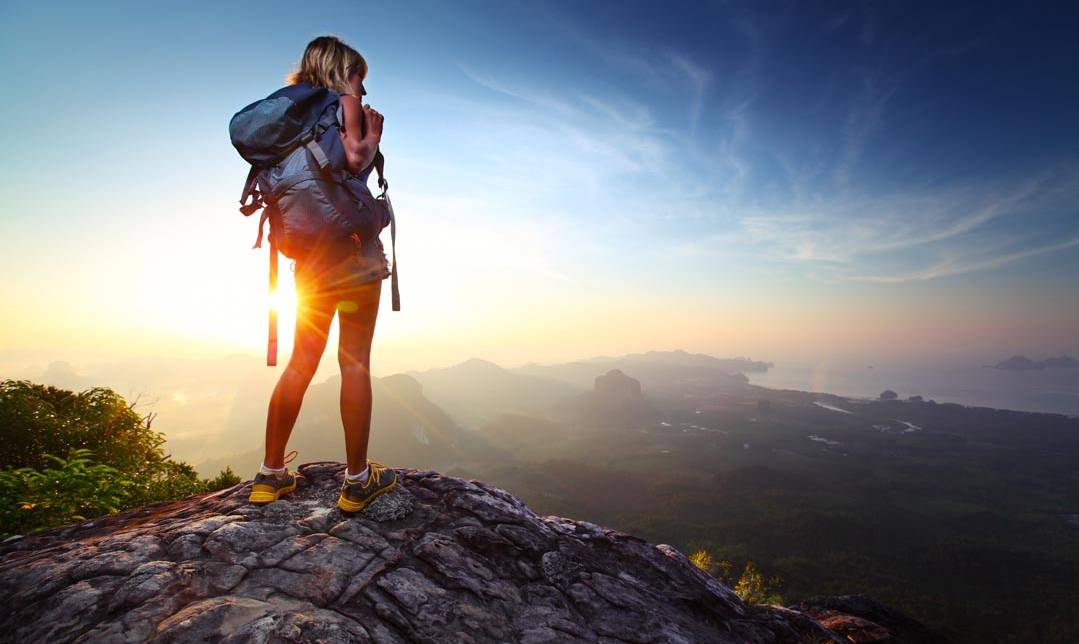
765, 178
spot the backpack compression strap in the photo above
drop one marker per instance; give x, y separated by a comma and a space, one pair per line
396, 297
251, 199
380, 165
271, 343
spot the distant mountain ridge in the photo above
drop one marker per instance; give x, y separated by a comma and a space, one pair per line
661, 373
477, 391
684, 358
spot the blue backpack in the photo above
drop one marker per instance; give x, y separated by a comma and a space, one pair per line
316, 208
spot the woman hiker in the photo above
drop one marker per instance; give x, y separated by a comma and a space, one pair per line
349, 288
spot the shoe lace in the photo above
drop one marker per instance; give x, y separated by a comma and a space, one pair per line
291, 456
375, 474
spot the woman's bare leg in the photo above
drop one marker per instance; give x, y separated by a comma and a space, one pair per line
313, 319
356, 316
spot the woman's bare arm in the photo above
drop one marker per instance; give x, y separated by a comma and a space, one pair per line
360, 149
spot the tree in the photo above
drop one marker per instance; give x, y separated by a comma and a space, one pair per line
888, 394
114, 460
39, 419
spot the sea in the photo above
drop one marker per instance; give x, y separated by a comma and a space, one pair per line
967, 382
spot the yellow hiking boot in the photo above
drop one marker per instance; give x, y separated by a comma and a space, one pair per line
271, 487
356, 495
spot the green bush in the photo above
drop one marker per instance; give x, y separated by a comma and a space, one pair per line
751, 586
115, 461
227, 478
75, 490
755, 589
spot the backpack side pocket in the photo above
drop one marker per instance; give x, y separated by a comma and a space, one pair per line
372, 213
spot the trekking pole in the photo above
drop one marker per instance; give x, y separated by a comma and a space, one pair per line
271, 345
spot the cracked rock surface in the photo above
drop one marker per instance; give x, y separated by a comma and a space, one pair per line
438, 559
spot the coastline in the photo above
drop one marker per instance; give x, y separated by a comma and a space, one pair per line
969, 385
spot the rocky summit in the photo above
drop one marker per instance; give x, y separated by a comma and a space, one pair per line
438, 559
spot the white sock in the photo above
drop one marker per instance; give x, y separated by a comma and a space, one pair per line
270, 470
361, 477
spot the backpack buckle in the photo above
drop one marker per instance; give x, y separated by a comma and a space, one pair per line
253, 204
250, 190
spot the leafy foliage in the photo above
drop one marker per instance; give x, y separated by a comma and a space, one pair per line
755, 589
76, 489
751, 586
227, 478
702, 560
40, 419
115, 460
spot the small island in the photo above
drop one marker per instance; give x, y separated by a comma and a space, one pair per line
1023, 363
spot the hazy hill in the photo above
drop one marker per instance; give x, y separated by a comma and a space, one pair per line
686, 359
476, 391
661, 373
615, 401
525, 437
406, 428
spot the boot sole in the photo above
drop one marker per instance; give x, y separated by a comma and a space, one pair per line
261, 496
355, 506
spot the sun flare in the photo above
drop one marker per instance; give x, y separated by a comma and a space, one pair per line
282, 299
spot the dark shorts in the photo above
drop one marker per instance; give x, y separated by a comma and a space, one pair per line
347, 283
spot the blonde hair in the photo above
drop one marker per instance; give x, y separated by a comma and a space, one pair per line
327, 62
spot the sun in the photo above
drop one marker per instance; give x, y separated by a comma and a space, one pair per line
282, 299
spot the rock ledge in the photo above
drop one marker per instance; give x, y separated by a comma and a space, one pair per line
439, 559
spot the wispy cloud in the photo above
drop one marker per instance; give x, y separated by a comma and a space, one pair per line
960, 229
659, 68
599, 138
865, 118
699, 80
634, 167
959, 265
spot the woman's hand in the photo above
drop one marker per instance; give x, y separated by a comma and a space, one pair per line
360, 150
374, 121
